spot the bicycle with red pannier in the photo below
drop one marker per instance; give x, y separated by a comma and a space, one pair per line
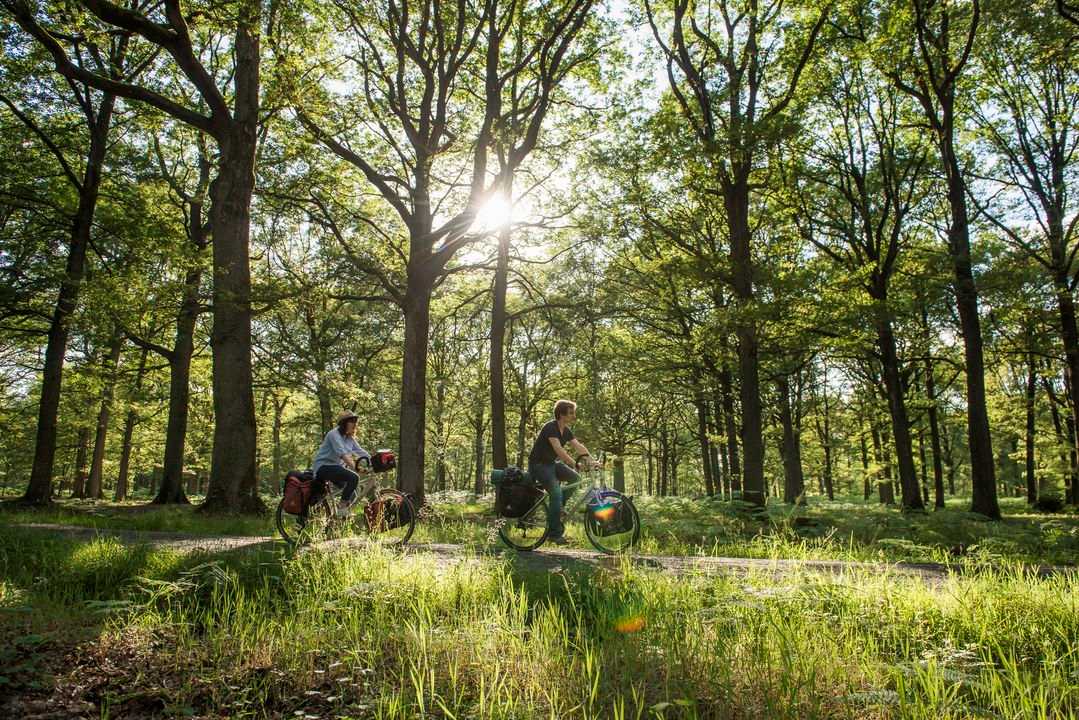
308, 510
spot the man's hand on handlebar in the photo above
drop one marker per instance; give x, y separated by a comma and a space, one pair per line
587, 462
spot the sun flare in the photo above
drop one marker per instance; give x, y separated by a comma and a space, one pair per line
493, 215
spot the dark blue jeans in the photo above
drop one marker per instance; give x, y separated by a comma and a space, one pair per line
340, 476
551, 476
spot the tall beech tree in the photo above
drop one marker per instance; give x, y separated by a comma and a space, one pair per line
415, 126
97, 108
1030, 121
232, 119
939, 38
734, 68
866, 177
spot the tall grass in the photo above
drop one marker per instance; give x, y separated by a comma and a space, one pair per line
374, 634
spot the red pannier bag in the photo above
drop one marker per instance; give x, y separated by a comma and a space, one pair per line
375, 514
297, 491
383, 460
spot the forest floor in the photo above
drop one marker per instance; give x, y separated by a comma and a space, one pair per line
547, 558
856, 612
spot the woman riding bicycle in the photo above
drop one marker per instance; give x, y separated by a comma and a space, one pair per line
340, 460
550, 464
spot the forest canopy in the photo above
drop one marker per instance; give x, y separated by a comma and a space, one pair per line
771, 249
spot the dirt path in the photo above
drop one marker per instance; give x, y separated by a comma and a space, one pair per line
552, 559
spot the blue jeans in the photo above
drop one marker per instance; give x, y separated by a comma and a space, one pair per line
551, 476
340, 476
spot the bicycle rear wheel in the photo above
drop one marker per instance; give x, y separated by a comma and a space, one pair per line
612, 523
527, 532
307, 527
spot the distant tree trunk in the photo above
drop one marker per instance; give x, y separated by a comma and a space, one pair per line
884, 486
325, 405
664, 460
620, 473
934, 424
39, 490
108, 374
706, 451
922, 466
498, 339
908, 481
183, 349
129, 431
866, 488
793, 479
522, 426
479, 453
826, 439
651, 469
279, 404
1032, 390
82, 447
734, 469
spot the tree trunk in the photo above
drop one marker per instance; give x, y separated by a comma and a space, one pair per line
934, 424
866, 488
923, 468
39, 490
706, 452
884, 485
793, 479
278, 411
417, 312
108, 372
82, 448
129, 431
479, 453
734, 467
620, 473
1032, 389
826, 440
1070, 337
233, 481
172, 484
908, 481
736, 201
498, 338
651, 468
982, 470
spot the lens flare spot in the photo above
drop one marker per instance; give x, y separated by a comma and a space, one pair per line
630, 624
604, 512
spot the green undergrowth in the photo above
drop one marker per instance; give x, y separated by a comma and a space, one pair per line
373, 634
821, 530
139, 516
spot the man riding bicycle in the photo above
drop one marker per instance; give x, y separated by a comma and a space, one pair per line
340, 460
550, 464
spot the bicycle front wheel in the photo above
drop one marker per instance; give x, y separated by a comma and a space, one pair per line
307, 527
527, 532
389, 520
612, 523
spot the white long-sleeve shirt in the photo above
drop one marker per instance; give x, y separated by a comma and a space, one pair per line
333, 449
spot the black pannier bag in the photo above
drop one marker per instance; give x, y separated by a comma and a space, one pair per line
611, 516
515, 493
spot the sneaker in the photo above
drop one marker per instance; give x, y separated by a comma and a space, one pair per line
560, 540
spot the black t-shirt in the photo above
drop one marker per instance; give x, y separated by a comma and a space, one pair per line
542, 452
